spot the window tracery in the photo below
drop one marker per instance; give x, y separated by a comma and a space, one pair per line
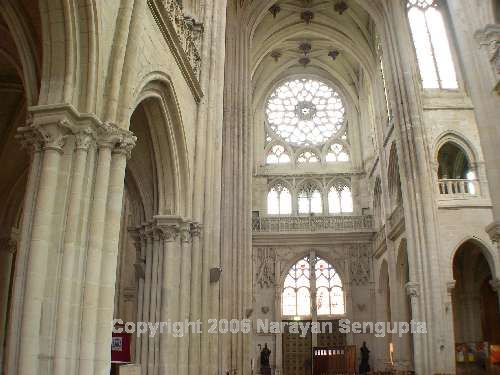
305, 112
279, 200
277, 155
340, 199
300, 282
310, 200
337, 152
434, 57
307, 157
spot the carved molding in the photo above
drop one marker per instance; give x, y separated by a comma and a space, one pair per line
360, 264
490, 38
49, 127
183, 36
265, 259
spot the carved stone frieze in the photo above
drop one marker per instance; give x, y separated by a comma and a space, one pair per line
360, 264
264, 261
489, 38
183, 36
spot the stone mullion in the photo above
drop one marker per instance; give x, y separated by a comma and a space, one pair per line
185, 288
107, 282
170, 297
19, 282
63, 336
147, 300
52, 138
94, 259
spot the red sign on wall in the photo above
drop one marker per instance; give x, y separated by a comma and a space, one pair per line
120, 347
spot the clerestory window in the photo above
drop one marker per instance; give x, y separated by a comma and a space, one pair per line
435, 61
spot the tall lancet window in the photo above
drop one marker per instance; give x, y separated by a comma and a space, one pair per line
431, 42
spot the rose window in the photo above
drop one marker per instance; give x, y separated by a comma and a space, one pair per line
305, 112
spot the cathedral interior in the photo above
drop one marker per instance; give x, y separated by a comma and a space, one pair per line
183, 183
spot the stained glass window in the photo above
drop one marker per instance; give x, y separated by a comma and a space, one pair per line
305, 112
432, 45
297, 290
279, 200
329, 294
296, 297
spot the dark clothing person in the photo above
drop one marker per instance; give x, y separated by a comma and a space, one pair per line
364, 366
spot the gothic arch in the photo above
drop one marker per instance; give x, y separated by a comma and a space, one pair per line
460, 141
486, 251
160, 103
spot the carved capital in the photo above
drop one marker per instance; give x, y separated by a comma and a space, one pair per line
412, 289
46, 136
450, 286
83, 139
185, 233
196, 229
117, 139
495, 284
169, 233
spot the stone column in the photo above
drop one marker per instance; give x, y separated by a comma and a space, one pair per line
146, 301
69, 239
185, 290
51, 138
170, 291
107, 280
8, 249
195, 299
412, 291
140, 269
83, 141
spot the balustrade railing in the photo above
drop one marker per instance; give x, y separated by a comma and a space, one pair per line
458, 187
313, 224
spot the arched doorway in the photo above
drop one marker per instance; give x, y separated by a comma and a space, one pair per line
475, 310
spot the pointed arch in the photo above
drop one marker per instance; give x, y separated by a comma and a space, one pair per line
158, 97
